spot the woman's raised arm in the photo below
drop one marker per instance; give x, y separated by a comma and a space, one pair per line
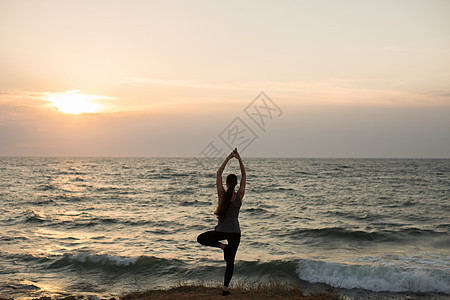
241, 190
219, 185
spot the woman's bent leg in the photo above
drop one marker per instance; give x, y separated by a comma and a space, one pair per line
211, 238
229, 255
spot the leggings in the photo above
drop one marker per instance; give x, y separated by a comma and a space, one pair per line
212, 238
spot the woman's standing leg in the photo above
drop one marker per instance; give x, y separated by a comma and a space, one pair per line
229, 254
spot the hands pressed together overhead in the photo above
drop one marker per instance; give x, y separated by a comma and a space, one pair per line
235, 154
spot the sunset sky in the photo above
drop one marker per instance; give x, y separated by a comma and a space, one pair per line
350, 78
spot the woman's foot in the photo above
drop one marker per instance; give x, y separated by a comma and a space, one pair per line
225, 291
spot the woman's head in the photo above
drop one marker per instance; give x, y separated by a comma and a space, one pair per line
231, 181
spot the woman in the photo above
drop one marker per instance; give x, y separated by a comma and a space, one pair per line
227, 212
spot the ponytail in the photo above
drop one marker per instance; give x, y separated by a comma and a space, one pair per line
224, 203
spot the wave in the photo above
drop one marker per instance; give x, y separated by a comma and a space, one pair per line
33, 217
428, 274
255, 211
17, 287
389, 277
85, 219
394, 233
72, 198
116, 190
44, 202
6, 238
337, 233
151, 266
46, 187
122, 264
384, 277
276, 268
70, 172
78, 179
303, 173
195, 203
381, 223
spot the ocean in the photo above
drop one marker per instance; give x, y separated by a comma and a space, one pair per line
106, 226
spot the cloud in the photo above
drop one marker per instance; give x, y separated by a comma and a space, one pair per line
356, 93
348, 92
445, 94
192, 84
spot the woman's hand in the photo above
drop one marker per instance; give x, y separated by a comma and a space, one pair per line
236, 154
232, 154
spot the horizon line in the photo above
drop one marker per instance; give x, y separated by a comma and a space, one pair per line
203, 157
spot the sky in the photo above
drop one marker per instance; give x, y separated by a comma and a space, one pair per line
326, 78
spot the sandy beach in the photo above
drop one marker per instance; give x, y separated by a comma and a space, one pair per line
203, 292
200, 291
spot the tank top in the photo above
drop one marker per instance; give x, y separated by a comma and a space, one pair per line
230, 222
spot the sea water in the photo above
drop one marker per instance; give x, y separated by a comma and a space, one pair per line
107, 226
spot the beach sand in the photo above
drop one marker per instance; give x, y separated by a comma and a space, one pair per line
211, 292
204, 292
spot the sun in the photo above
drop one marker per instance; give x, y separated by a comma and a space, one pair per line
72, 102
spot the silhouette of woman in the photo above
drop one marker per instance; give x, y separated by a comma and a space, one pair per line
227, 212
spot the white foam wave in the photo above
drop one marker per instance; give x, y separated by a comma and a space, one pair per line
104, 259
376, 277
